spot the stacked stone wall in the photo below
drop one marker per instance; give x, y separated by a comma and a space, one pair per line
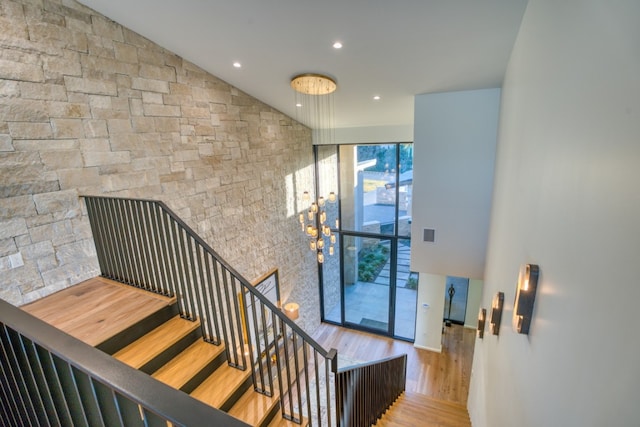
90, 107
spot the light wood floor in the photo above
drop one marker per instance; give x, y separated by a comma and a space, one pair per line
96, 309
443, 376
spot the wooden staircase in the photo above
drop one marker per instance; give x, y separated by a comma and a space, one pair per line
144, 331
415, 409
160, 343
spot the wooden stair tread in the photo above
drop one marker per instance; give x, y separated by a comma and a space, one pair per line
411, 409
143, 350
254, 407
220, 385
97, 309
179, 370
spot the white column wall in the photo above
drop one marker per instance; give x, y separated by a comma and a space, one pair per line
566, 197
454, 153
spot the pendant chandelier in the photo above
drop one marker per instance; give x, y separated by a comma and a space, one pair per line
314, 105
314, 224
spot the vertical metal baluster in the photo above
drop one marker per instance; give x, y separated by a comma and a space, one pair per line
130, 245
125, 238
97, 236
159, 238
265, 333
87, 397
19, 407
143, 251
305, 360
57, 391
257, 356
182, 295
339, 378
206, 301
223, 318
316, 373
287, 365
196, 282
213, 303
111, 238
279, 334
238, 321
144, 247
170, 260
157, 284
189, 281
231, 345
71, 392
116, 230
31, 382
297, 368
108, 238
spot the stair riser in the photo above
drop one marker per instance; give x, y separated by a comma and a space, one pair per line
197, 379
129, 335
269, 417
168, 354
236, 395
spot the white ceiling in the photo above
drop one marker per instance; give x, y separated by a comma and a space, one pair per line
394, 49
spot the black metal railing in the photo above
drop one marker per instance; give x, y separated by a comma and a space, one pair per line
144, 244
364, 392
49, 378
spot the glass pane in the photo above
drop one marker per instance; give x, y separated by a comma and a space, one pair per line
332, 297
455, 299
366, 276
406, 293
406, 190
367, 188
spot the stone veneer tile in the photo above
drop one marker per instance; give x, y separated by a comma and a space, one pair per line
146, 124
91, 86
21, 71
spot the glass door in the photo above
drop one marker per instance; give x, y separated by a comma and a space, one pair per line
367, 263
369, 284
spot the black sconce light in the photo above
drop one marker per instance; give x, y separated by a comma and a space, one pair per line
525, 297
496, 313
482, 317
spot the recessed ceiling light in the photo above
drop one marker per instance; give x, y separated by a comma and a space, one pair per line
298, 105
337, 45
237, 64
376, 98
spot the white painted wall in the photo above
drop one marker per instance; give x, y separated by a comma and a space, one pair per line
431, 289
567, 198
454, 152
474, 296
374, 134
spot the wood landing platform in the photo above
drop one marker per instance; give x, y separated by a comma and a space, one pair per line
97, 309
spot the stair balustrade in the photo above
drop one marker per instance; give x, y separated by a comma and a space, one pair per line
49, 378
144, 244
365, 391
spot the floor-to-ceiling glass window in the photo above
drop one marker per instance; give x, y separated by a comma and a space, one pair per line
368, 283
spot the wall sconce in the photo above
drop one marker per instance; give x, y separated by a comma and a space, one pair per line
292, 310
496, 313
525, 297
482, 318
